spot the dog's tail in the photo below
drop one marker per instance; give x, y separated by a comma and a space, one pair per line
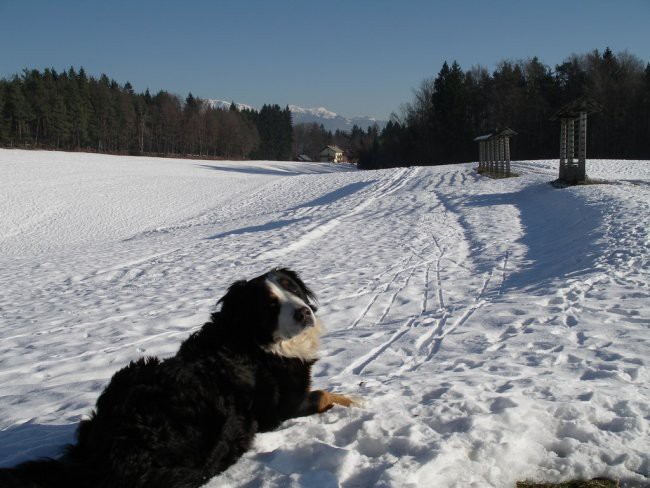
46, 473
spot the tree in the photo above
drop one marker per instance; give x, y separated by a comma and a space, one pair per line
126, 129
192, 126
35, 93
18, 110
3, 125
80, 107
449, 116
643, 135
275, 133
540, 96
60, 122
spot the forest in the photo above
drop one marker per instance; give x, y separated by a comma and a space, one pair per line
447, 112
76, 112
71, 110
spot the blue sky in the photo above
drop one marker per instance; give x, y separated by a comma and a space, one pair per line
354, 57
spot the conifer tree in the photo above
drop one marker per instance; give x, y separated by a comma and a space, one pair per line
3, 125
449, 117
60, 122
18, 110
36, 94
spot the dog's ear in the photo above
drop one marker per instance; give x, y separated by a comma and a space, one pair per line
244, 317
234, 298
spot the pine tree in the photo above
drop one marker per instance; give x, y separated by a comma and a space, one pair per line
18, 110
35, 93
275, 132
81, 110
644, 108
60, 122
101, 127
3, 125
449, 117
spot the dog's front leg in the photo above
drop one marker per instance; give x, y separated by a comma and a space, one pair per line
319, 401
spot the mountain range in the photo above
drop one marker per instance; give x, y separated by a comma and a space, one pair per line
330, 120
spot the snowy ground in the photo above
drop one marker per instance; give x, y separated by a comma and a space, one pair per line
497, 330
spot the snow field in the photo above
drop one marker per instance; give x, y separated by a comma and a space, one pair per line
496, 330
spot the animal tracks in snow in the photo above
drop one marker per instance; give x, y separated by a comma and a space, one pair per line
439, 257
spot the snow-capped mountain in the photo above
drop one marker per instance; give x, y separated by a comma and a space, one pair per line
226, 105
330, 120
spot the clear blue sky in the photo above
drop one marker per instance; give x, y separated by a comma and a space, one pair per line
354, 57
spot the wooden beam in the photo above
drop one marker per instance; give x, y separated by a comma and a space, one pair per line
492, 155
501, 167
563, 132
582, 147
507, 148
570, 141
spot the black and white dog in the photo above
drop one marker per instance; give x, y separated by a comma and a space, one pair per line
178, 422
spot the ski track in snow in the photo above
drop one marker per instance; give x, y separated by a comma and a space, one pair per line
496, 330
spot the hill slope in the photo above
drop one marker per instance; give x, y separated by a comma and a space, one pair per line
497, 330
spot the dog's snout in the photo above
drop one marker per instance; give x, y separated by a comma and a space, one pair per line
303, 315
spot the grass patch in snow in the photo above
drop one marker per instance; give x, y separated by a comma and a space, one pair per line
595, 483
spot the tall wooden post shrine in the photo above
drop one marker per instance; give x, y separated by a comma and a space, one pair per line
574, 171
494, 151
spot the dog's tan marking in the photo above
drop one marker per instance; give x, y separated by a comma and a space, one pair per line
327, 400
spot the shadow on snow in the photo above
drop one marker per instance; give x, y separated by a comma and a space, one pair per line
327, 199
30, 441
337, 194
560, 233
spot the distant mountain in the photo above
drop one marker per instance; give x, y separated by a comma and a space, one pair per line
226, 105
330, 120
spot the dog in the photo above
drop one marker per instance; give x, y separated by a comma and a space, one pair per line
180, 421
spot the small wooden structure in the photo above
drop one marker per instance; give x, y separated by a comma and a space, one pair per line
494, 151
571, 171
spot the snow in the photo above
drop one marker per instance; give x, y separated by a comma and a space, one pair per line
317, 112
222, 104
496, 330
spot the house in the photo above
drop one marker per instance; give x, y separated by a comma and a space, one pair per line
333, 154
303, 158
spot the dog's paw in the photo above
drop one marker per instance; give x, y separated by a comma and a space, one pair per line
355, 401
327, 400
346, 400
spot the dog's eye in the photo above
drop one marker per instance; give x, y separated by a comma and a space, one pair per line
289, 286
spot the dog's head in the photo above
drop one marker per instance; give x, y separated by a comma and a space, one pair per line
275, 311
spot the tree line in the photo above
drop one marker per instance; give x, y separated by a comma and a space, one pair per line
73, 111
448, 111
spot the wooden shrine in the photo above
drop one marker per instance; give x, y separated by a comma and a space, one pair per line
494, 152
574, 171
